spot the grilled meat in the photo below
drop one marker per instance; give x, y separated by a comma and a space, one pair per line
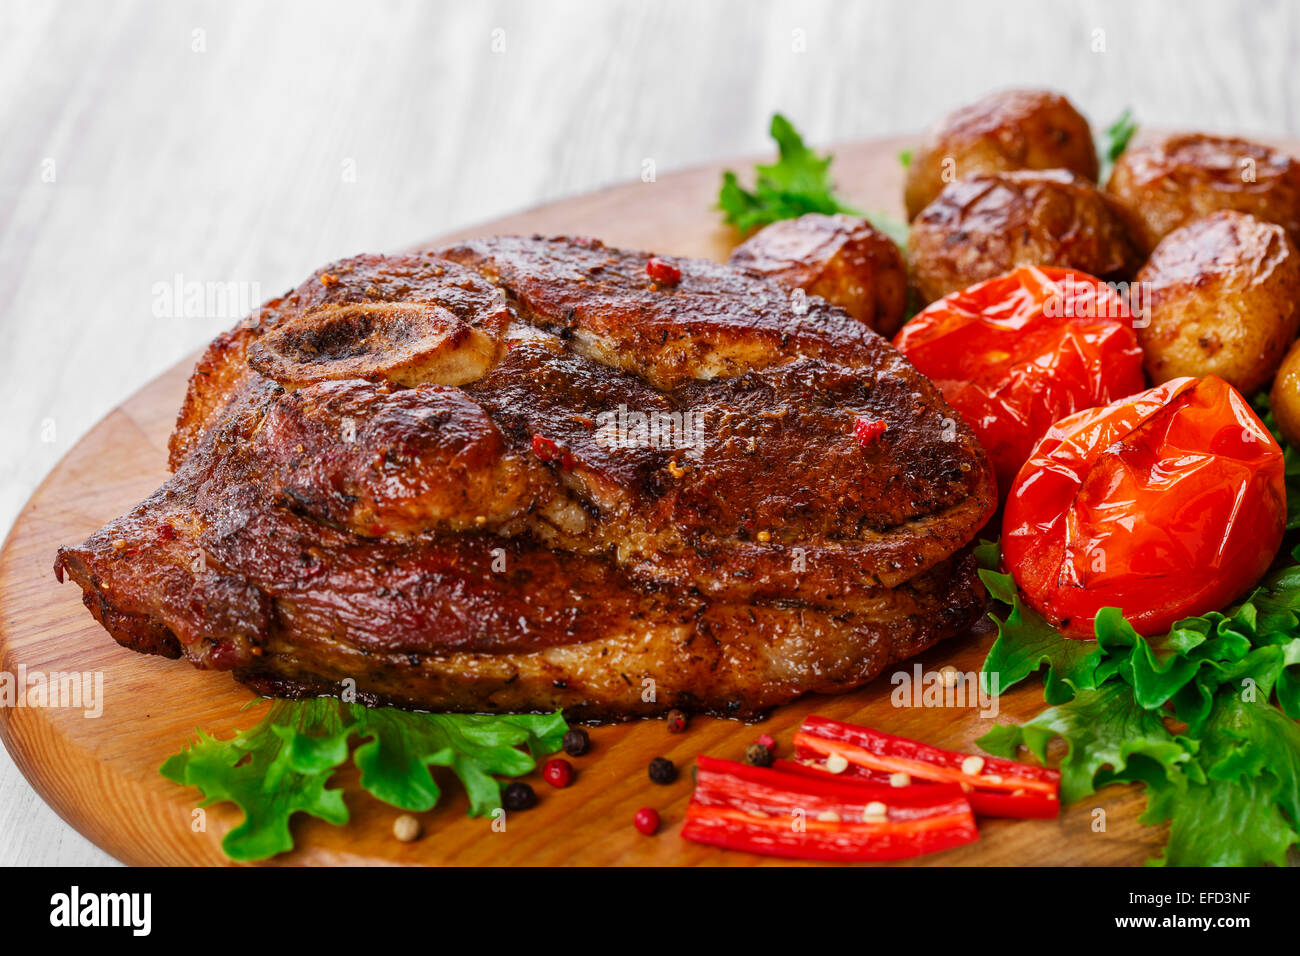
520, 474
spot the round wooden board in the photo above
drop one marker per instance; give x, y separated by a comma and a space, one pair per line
101, 774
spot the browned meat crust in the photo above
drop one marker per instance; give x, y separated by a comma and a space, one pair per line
497, 544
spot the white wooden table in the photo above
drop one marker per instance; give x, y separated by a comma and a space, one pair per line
150, 146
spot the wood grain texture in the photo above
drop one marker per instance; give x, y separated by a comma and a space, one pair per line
101, 775
210, 139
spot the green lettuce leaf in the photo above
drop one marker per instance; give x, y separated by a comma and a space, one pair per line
278, 768
282, 766
1026, 643
1246, 809
1102, 728
399, 748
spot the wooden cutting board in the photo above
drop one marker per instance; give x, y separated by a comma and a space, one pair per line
101, 774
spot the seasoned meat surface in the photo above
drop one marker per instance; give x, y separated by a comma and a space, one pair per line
640, 486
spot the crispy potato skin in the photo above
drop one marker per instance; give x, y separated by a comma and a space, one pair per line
986, 225
1165, 185
843, 259
1222, 301
1285, 396
1004, 131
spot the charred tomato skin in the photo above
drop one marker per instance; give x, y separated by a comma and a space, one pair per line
1168, 504
1017, 353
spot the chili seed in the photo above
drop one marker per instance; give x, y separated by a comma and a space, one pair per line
837, 763
972, 765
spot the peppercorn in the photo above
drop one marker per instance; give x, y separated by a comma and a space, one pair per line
518, 796
576, 742
676, 721
646, 821
662, 770
756, 755
406, 828
558, 772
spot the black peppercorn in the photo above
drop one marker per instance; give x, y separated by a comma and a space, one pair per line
518, 796
756, 755
662, 770
576, 742
676, 721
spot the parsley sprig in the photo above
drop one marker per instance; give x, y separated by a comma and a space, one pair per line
1116, 140
283, 765
798, 182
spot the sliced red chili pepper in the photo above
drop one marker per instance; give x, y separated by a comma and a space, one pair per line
801, 817
547, 451
868, 432
662, 271
994, 786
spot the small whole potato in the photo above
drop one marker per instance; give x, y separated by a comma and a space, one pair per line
1167, 184
1220, 299
1004, 131
1285, 396
843, 259
986, 225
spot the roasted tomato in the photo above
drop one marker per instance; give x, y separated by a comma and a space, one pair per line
1017, 353
1167, 504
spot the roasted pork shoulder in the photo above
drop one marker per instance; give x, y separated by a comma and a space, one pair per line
522, 474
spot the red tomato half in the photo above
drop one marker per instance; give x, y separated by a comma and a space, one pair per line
1017, 353
1167, 504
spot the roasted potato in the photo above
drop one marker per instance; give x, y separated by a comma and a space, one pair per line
986, 225
840, 258
1167, 184
1004, 131
1285, 396
1219, 298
